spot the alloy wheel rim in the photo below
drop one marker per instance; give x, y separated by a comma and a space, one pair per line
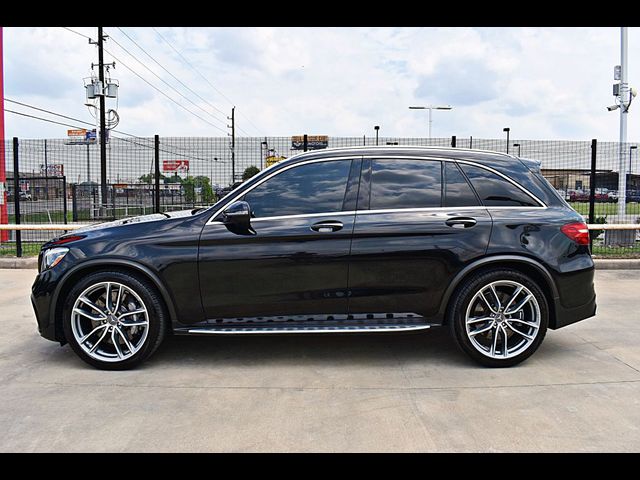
110, 321
502, 319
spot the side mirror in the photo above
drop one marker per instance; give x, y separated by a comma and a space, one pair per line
237, 218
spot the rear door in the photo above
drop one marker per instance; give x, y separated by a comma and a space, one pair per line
418, 222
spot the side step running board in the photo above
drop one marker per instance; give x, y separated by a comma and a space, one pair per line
305, 329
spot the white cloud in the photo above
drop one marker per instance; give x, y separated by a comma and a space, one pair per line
542, 82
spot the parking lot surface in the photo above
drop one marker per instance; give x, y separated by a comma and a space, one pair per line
384, 392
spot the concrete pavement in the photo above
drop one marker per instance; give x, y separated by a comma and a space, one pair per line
405, 393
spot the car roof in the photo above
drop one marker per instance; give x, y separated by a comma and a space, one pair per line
487, 157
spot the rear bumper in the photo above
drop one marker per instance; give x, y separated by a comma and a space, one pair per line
567, 316
576, 300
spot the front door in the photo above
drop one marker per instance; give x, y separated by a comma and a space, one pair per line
297, 261
418, 223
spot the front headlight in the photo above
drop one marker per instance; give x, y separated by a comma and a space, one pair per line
52, 257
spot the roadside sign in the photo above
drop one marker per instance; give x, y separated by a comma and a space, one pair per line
314, 142
53, 170
175, 165
76, 134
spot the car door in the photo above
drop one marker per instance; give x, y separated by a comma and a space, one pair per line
296, 263
418, 223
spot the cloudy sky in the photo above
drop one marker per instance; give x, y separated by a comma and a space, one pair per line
543, 83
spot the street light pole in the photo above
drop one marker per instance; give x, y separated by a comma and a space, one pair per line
377, 129
430, 108
517, 145
507, 129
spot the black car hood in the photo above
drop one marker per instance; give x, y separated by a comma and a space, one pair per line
153, 217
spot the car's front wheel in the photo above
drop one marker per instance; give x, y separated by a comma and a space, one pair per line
499, 317
114, 320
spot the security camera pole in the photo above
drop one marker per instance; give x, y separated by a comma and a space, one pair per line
625, 101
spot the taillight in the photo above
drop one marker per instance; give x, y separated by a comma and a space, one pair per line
578, 232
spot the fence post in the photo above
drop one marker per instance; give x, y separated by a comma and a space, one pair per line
74, 202
64, 199
305, 142
16, 195
471, 142
157, 173
453, 141
592, 187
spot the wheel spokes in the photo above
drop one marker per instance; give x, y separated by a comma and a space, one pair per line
86, 337
86, 315
486, 302
494, 304
95, 315
95, 345
481, 330
86, 301
513, 298
520, 305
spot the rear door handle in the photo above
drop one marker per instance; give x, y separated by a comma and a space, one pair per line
461, 222
327, 227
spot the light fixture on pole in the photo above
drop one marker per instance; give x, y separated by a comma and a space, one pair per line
430, 108
377, 128
517, 145
507, 129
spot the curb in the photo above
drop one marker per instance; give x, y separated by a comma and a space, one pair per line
15, 262
601, 263
617, 263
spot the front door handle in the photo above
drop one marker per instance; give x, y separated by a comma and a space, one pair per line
461, 222
327, 227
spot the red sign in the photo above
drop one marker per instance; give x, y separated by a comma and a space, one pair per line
173, 165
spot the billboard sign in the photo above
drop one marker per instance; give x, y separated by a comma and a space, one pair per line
77, 134
175, 165
52, 170
314, 142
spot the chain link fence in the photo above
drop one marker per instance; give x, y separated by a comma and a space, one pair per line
59, 180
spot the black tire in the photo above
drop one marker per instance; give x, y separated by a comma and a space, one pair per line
459, 304
158, 318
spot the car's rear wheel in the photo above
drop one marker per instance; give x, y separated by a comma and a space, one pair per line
499, 317
114, 320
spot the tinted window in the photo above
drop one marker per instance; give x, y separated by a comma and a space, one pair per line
405, 184
311, 188
458, 192
494, 190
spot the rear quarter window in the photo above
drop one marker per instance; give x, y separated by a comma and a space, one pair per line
495, 191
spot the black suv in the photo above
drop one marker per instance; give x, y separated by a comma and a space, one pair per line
382, 239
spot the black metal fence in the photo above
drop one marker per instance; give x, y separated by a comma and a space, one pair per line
59, 181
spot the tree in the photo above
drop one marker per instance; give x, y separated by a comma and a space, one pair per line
250, 172
151, 178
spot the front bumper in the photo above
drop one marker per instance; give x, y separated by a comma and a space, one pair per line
42, 292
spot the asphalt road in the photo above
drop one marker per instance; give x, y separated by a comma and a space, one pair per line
400, 393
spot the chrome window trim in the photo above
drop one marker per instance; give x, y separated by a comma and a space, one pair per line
267, 177
541, 204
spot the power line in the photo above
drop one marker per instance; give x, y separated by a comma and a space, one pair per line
176, 78
164, 81
203, 77
161, 92
182, 153
77, 33
47, 111
40, 118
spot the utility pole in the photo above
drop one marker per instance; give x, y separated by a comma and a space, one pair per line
233, 144
103, 125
